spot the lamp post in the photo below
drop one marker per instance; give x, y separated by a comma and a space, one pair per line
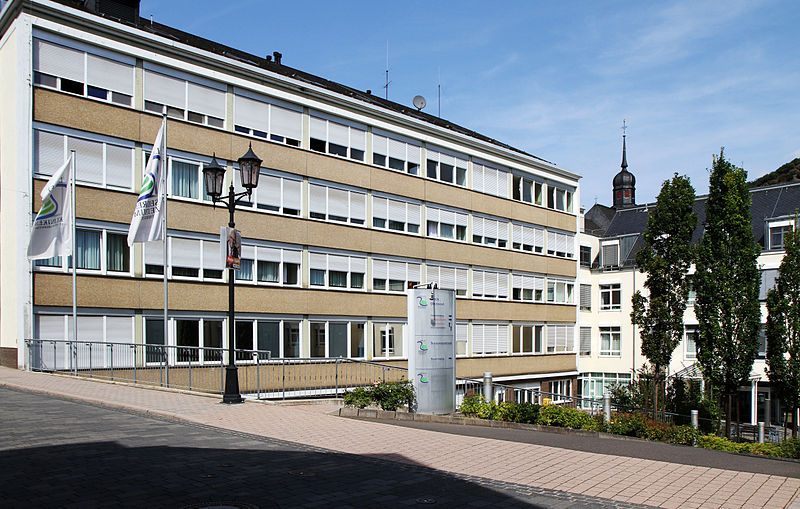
214, 175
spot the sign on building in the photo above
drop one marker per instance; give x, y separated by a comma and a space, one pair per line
431, 349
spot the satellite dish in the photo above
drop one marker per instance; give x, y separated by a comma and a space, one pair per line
419, 102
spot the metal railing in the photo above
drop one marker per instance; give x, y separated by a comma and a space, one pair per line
202, 368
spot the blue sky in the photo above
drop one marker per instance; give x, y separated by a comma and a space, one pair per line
555, 80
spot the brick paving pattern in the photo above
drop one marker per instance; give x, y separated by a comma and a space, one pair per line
623, 480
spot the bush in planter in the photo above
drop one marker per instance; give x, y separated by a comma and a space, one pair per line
359, 397
387, 395
523, 412
632, 425
554, 415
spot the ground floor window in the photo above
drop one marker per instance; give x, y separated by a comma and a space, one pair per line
387, 339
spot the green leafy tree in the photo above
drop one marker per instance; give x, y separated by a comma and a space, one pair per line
783, 328
727, 284
665, 258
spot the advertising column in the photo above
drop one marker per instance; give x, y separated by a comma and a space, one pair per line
432, 349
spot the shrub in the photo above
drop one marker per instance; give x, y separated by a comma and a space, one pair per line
387, 395
681, 435
632, 425
554, 415
512, 411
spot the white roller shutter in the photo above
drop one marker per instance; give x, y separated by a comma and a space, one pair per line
48, 152
478, 283
461, 219
413, 272
292, 194
285, 122
397, 211
413, 153
318, 128
185, 252
397, 149
318, 198
379, 144
119, 166
337, 202
89, 160
51, 327
207, 100
338, 134
292, 256
164, 89
358, 264
153, 254
538, 238
379, 207
478, 226
462, 279
502, 230
250, 113
119, 329
397, 270
104, 73
317, 261
528, 235
380, 269
358, 206
413, 213
447, 278
269, 190
477, 177
269, 254
358, 139
58, 60
212, 256
338, 263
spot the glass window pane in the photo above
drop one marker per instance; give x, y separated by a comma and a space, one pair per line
338, 339
269, 338
244, 340
268, 271
117, 253
356, 340
212, 340
317, 340
291, 339
87, 248
185, 179
187, 333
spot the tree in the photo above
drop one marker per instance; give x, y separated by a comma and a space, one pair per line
727, 283
665, 258
783, 328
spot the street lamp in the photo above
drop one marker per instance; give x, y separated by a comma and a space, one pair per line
214, 175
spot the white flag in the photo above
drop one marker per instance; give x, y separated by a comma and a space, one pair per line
51, 233
146, 224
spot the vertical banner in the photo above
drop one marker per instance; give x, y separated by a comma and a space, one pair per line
431, 347
148, 215
230, 240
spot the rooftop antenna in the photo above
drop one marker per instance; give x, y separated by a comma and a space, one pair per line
386, 86
439, 85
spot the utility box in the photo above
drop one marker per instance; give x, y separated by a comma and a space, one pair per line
431, 347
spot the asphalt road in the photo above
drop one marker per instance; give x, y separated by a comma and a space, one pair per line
62, 453
623, 447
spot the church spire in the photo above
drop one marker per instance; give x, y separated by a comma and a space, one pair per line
624, 182
624, 159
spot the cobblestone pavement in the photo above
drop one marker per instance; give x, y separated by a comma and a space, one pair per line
479, 461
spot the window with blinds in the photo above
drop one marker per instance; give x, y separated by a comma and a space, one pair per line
396, 215
395, 153
102, 329
525, 237
267, 118
527, 287
489, 339
461, 338
609, 255
336, 271
490, 284
490, 180
98, 160
585, 341
186, 98
394, 275
560, 244
445, 223
276, 192
490, 231
269, 265
586, 297
560, 292
193, 258
560, 338
446, 166
336, 204
448, 277
337, 137
769, 279
107, 78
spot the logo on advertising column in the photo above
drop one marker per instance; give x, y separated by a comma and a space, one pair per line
422, 378
422, 346
421, 301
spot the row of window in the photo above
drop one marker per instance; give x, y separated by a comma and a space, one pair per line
202, 339
107, 251
77, 68
108, 164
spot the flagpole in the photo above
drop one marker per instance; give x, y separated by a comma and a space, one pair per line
74, 259
164, 191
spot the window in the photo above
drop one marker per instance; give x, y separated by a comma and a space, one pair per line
387, 339
395, 153
610, 342
269, 265
610, 296
527, 287
448, 278
337, 137
186, 179
586, 256
337, 271
489, 284
769, 279
527, 238
489, 231
337, 339
446, 224
95, 250
394, 276
609, 253
87, 249
559, 198
192, 258
777, 233
118, 254
560, 292
395, 215
595, 385
560, 244
527, 190
489, 339
275, 193
527, 339
184, 97
560, 389
99, 160
291, 340
335, 204
78, 72
762, 342
446, 167
585, 341
691, 333
461, 338
487, 179
92, 328
270, 119
586, 297
560, 338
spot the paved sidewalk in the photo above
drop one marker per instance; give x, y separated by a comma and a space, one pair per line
622, 479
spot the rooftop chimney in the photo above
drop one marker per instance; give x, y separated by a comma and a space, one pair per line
277, 56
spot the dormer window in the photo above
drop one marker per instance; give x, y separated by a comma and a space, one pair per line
609, 255
777, 232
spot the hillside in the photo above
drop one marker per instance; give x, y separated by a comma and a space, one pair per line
789, 172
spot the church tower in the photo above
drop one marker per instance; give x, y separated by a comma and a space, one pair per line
624, 184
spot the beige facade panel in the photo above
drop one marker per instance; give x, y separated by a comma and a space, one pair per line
515, 365
102, 118
474, 309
